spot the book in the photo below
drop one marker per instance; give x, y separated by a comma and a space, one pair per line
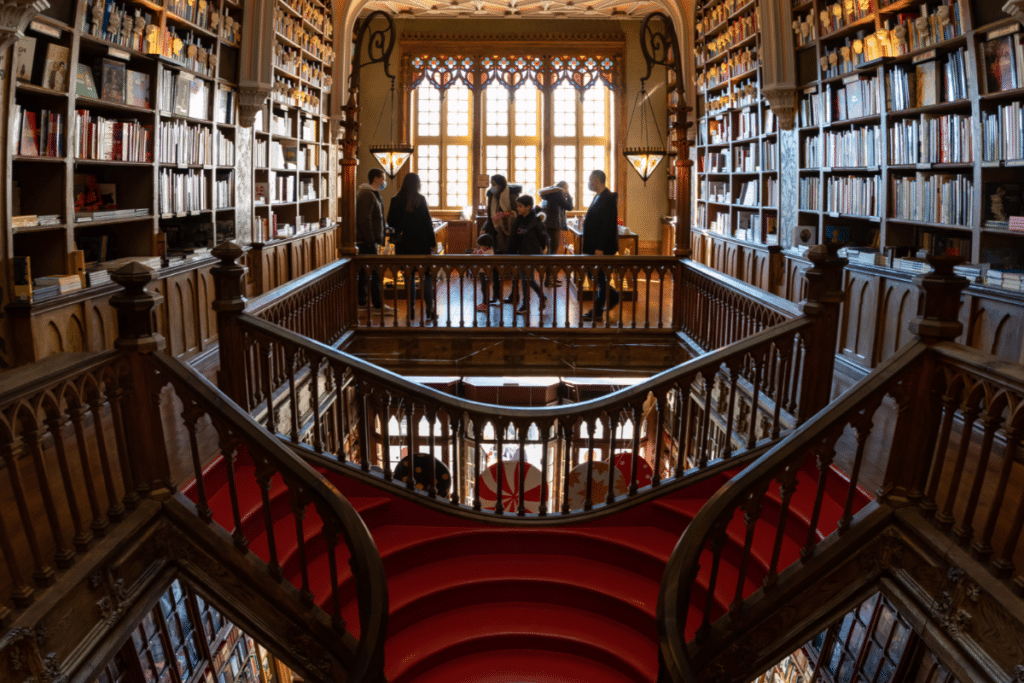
197, 99
998, 58
84, 84
137, 89
24, 59
76, 264
55, 69
21, 269
93, 247
927, 84
112, 80
1002, 200
182, 92
67, 283
29, 143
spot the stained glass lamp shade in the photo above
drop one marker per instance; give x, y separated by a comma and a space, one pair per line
391, 157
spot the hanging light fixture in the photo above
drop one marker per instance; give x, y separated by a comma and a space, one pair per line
644, 159
394, 154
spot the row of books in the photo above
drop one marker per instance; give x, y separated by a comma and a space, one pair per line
770, 160
933, 198
224, 191
307, 189
282, 187
858, 97
1012, 280
39, 133
745, 158
853, 195
309, 129
261, 153
1003, 62
715, 15
746, 125
110, 215
928, 83
715, 191
190, 10
116, 23
749, 194
771, 191
281, 124
97, 137
713, 132
182, 191
284, 155
182, 94
118, 83
1002, 133
715, 162
225, 147
854, 148
812, 152
184, 143
928, 26
932, 140
810, 193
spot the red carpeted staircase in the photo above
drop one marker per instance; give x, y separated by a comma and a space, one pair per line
474, 601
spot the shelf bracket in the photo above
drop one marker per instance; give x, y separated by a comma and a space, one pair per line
14, 18
1015, 8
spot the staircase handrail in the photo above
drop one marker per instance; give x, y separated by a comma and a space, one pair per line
745, 491
708, 362
764, 299
367, 566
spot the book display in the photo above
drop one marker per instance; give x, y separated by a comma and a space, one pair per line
737, 137
291, 187
903, 143
125, 132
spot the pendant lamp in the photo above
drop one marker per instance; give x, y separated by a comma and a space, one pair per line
393, 155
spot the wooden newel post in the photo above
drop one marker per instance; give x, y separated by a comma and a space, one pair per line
824, 299
938, 310
229, 302
918, 403
137, 339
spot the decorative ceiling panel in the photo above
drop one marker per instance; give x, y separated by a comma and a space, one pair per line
476, 9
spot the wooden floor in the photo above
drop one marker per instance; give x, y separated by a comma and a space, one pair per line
646, 307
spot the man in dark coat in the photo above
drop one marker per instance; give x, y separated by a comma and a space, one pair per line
370, 231
601, 238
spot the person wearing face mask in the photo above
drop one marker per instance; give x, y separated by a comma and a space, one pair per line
601, 238
370, 232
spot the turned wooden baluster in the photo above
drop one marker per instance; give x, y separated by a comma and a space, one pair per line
331, 534
982, 548
991, 423
431, 486
99, 520
566, 460
755, 399
315, 364
458, 445
264, 477
190, 415
715, 545
499, 430
944, 518
788, 482
55, 423
752, 508
115, 508
43, 575
636, 412
385, 431
478, 429
862, 424
733, 368
659, 443
545, 431
612, 420
522, 430
21, 591
410, 442
127, 463
299, 501
825, 454
229, 449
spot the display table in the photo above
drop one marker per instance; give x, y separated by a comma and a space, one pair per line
627, 239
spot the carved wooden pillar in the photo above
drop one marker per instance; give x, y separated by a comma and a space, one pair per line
229, 302
14, 18
255, 72
824, 298
137, 340
683, 171
349, 160
778, 57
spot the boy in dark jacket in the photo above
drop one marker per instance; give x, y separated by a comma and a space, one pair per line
527, 238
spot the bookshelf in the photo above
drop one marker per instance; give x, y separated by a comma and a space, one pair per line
291, 150
910, 126
133, 104
737, 170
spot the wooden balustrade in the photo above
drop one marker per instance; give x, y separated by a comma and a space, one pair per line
968, 479
348, 408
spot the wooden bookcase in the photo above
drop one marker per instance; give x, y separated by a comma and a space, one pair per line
737, 169
291, 154
892, 226
46, 185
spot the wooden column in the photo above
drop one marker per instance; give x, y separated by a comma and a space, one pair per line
822, 306
229, 302
137, 340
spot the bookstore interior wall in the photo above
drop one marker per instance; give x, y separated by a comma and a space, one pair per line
645, 205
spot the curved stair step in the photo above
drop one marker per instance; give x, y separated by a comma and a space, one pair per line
535, 666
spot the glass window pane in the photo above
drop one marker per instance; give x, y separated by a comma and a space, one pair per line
593, 160
564, 166
496, 160
456, 175
428, 166
564, 106
496, 110
428, 111
527, 107
457, 103
526, 168
594, 111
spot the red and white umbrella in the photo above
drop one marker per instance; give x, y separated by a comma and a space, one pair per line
624, 465
487, 485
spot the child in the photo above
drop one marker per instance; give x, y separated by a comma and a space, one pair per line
484, 247
527, 238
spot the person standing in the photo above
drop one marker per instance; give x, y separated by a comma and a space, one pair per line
370, 232
500, 215
409, 216
556, 203
527, 239
601, 238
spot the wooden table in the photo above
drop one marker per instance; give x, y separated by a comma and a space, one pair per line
627, 239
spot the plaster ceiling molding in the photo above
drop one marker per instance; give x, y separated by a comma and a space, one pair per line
1015, 8
14, 18
475, 9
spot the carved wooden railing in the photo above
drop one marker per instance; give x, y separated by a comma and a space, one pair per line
64, 449
934, 385
686, 437
718, 309
87, 440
